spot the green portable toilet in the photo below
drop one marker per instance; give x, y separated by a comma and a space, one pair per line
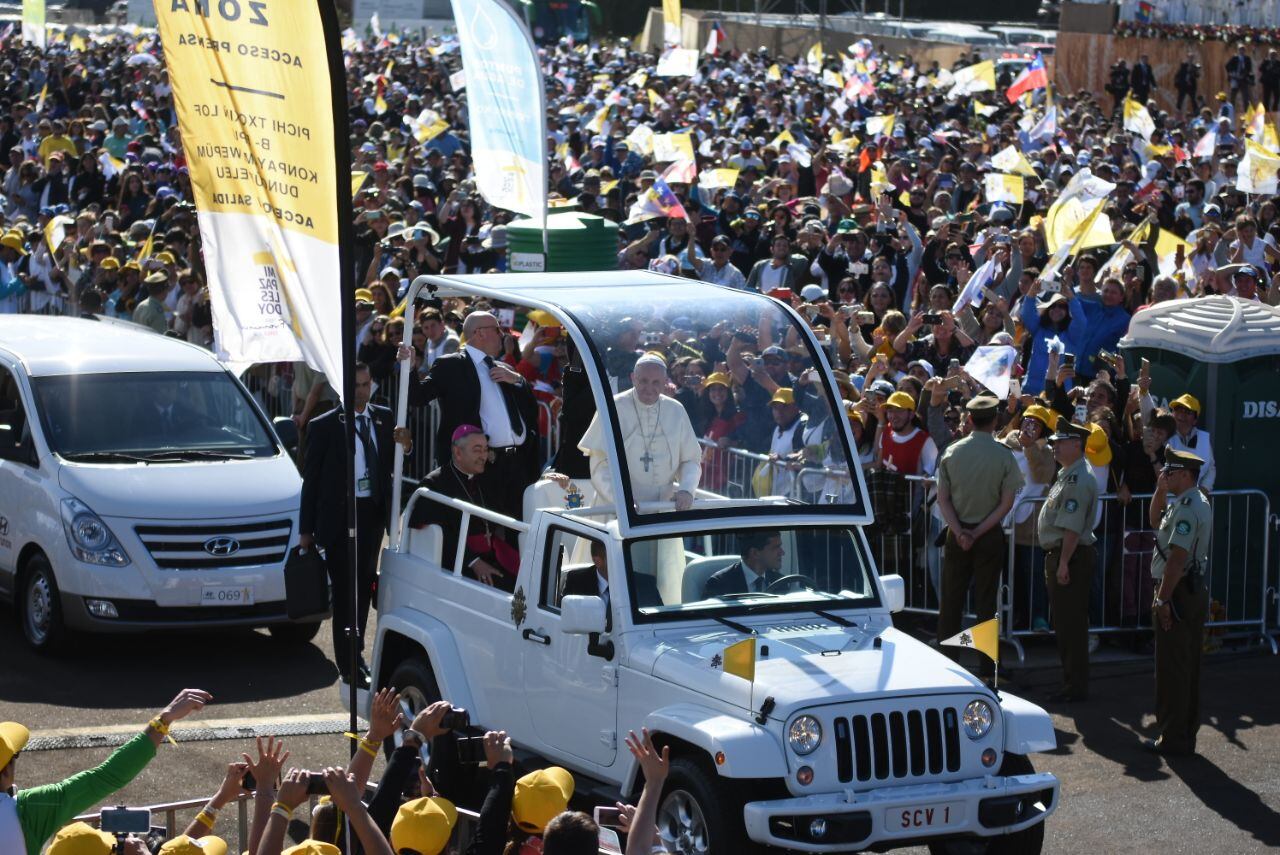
1226, 352
576, 242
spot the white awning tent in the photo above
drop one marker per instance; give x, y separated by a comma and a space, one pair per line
1208, 329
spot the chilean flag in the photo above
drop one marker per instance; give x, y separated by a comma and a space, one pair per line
1032, 77
715, 38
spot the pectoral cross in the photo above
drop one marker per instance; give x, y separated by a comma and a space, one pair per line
646, 460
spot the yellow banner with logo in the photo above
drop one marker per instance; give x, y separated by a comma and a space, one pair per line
253, 87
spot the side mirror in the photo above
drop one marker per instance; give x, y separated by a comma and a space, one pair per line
582, 615
895, 592
286, 432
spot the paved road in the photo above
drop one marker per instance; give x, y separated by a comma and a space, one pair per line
1115, 798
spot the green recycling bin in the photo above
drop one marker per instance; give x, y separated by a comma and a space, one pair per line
1226, 352
576, 242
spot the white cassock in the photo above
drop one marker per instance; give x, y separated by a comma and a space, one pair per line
663, 457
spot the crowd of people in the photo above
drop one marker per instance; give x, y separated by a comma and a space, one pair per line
853, 187
436, 763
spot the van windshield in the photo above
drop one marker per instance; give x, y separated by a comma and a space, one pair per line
154, 417
788, 568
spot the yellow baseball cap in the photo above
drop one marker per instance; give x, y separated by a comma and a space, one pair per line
13, 738
110, 263
183, 845
901, 401
13, 240
851, 411
717, 378
165, 257
313, 847
1042, 415
81, 838
1188, 402
1096, 447
543, 319
783, 396
424, 825
541, 796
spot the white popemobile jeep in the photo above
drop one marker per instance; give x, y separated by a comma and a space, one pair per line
852, 735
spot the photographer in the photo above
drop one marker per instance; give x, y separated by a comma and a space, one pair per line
43, 810
342, 789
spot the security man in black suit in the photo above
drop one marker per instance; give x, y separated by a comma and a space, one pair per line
473, 386
322, 520
762, 554
594, 581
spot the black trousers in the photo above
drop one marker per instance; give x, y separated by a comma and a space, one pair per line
371, 521
980, 568
510, 470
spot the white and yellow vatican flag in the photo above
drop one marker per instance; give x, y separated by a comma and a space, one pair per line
1009, 159
1257, 170
1137, 120
1000, 187
983, 637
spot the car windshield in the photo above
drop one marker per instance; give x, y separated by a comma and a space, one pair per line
799, 568
738, 360
154, 417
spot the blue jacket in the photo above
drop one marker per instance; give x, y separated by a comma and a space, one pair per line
1106, 325
1033, 382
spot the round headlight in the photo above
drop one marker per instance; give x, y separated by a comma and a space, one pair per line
977, 719
804, 735
90, 532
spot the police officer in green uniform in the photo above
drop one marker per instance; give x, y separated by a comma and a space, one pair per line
1184, 520
977, 481
1065, 529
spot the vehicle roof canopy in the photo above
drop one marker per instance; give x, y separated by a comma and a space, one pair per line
1208, 329
610, 315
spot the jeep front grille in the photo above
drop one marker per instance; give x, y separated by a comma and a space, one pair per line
216, 545
887, 746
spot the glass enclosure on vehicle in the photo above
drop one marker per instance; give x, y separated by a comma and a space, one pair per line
718, 573
763, 349
157, 416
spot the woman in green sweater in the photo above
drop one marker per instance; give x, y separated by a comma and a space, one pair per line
30, 818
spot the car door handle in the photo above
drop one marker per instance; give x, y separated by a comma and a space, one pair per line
533, 635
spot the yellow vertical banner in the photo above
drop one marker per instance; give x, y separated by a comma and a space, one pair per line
671, 26
253, 87
33, 23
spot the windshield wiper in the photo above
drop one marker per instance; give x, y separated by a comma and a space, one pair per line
746, 595
733, 624
198, 454
836, 619
106, 456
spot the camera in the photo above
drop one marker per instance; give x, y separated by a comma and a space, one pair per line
651, 339
471, 751
864, 318
316, 784
123, 820
931, 318
456, 719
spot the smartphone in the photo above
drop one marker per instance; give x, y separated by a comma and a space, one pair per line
1068, 360
1052, 286
456, 719
932, 318
1145, 371
865, 318
249, 782
316, 784
471, 751
123, 820
507, 318
953, 366
1015, 388
1081, 414
607, 817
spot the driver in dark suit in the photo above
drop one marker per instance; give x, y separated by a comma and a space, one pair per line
762, 554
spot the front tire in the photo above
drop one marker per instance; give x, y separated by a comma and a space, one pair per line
40, 607
697, 817
416, 683
1029, 841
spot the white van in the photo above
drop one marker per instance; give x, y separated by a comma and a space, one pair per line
140, 486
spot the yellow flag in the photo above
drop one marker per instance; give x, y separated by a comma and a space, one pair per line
984, 638
781, 140
1137, 120
56, 232
1012, 160
832, 79
77, 43
880, 125
380, 105
641, 139
1000, 187
1094, 231
147, 245
656, 101
357, 181
668, 148
814, 56
740, 660
599, 120
716, 179
774, 73
672, 24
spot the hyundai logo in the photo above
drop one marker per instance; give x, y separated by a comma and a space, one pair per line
222, 546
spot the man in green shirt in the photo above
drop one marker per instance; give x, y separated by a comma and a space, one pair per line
978, 479
41, 811
1065, 530
150, 312
1184, 522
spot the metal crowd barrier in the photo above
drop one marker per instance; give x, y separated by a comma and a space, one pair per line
1122, 588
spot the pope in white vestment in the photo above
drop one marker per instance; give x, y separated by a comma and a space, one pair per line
664, 459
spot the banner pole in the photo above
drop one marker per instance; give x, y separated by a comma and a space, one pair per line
342, 160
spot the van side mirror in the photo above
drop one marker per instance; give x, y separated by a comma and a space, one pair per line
286, 432
895, 592
582, 615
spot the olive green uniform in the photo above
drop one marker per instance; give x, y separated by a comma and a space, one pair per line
977, 471
1187, 523
1070, 507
